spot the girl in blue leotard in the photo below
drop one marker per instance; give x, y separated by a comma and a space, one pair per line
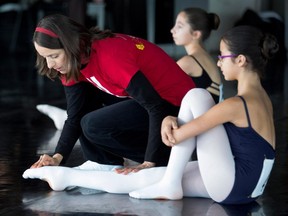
235, 139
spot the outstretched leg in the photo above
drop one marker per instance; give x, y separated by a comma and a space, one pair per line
56, 114
60, 178
195, 103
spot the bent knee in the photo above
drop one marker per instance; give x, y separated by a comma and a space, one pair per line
198, 95
90, 125
95, 127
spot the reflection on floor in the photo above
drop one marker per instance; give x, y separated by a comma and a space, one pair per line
25, 133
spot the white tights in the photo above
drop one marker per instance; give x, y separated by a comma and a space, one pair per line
212, 176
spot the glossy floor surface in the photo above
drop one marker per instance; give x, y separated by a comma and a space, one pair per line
25, 134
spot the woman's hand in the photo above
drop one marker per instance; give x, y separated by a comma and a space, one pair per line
127, 170
169, 124
46, 160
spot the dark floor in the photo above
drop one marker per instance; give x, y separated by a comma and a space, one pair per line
25, 133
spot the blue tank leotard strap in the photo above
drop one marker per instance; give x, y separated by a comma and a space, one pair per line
246, 110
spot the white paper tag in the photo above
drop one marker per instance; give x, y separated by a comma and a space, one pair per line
266, 170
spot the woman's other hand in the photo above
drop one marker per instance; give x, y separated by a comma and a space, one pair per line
46, 160
136, 168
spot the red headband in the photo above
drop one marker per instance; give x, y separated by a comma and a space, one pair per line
46, 31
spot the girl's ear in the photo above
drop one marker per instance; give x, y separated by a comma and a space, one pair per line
241, 60
197, 34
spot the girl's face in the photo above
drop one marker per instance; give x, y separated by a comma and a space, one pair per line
225, 63
55, 58
181, 31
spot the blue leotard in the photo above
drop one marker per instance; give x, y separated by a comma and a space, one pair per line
254, 158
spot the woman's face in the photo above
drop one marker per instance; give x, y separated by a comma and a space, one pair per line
181, 31
55, 58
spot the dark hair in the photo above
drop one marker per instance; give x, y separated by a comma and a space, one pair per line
256, 46
73, 37
202, 21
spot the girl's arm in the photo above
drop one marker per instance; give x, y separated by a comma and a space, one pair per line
229, 110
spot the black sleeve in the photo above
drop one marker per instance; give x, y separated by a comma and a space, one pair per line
141, 90
78, 104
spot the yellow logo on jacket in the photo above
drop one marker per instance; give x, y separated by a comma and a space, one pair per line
140, 46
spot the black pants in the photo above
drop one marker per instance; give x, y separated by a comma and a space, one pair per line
116, 131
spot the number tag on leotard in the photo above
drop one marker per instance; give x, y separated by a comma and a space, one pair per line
266, 170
